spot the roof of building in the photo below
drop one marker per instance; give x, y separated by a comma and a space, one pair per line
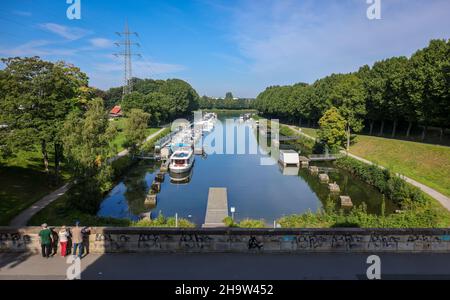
116, 110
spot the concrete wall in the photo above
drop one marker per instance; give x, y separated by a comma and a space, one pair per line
116, 240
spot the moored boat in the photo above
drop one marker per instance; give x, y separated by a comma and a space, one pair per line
182, 160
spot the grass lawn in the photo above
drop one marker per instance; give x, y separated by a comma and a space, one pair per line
310, 131
60, 213
120, 138
428, 164
425, 163
22, 182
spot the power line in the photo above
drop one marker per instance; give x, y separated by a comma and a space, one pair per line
127, 54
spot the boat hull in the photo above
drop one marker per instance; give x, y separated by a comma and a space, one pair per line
180, 170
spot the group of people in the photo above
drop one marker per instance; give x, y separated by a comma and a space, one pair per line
73, 241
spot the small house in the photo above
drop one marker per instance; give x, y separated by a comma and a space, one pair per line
116, 112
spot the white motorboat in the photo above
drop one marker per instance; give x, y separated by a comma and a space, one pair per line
182, 160
208, 126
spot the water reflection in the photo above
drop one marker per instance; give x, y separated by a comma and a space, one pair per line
181, 178
258, 192
289, 171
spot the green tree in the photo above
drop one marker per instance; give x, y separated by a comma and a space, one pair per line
333, 129
136, 126
229, 96
86, 143
349, 96
428, 84
36, 97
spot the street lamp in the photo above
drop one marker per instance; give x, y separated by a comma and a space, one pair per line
233, 210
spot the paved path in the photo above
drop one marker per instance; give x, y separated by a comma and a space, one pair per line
23, 218
126, 151
228, 266
444, 200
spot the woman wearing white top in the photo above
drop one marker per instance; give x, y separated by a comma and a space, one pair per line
63, 240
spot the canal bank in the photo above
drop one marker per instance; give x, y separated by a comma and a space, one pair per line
255, 191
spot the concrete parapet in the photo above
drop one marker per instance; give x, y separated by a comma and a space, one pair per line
135, 240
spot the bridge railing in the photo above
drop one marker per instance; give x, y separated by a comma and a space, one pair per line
325, 156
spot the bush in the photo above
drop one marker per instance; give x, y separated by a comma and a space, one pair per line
391, 185
61, 213
150, 145
246, 223
121, 165
415, 216
163, 222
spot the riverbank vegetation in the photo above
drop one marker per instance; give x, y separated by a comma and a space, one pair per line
65, 211
119, 141
55, 128
228, 103
246, 223
416, 209
414, 216
164, 101
163, 222
428, 164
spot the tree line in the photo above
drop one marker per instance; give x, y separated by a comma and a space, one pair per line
411, 91
163, 100
229, 102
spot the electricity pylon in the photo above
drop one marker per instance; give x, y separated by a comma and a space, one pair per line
127, 54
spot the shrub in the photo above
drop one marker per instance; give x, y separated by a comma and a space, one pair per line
163, 222
246, 223
149, 146
391, 185
415, 216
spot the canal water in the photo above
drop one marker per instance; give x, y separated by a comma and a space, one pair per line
256, 191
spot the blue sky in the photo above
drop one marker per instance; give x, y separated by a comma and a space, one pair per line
241, 46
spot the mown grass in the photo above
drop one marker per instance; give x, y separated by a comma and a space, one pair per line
425, 163
61, 213
428, 164
23, 181
119, 141
310, 131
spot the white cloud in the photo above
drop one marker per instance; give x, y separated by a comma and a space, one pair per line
101, 43
36, 48
69, 33
290, 41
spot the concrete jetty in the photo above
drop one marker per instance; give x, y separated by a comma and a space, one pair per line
217, 209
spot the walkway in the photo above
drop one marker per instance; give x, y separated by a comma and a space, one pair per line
227, 266
217, 209
25, 216
126, 151
444, 200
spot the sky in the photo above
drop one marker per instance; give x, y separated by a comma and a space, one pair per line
217, 46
